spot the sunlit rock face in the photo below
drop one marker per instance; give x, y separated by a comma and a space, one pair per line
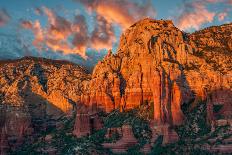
34, 91
157, 62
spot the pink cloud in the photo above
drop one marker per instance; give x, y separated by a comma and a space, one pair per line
58, 31
229, 2
214, 1
222, 15
27, 24
56, 35
121, 12
194, 15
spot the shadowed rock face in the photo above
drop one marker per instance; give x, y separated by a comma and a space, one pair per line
157, 62
34, 91
127, 140
219, 107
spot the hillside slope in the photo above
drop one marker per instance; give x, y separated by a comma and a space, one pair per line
34, 92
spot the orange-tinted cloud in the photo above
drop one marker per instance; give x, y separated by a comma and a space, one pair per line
37, 30
222, 15
122, 12
55, 34
59, 28
70, 37
194, 15
4, 17
27, 24
39, 35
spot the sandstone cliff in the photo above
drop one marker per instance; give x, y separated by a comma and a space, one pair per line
157, 62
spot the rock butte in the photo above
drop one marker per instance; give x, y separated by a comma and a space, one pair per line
155, 62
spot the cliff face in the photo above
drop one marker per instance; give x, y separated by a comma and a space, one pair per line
34, 92
157, 62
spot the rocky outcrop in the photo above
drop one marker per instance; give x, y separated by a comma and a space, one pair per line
219, 108
157, 62
112, 132
127, 140
86, 122
34, 93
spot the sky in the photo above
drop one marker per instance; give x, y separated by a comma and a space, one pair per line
83, 31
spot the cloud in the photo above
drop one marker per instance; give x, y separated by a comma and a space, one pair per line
70, 37
121, 12
214, 1
229, 2
195, 14
81, 38
59, 28
73, 37
222, 15
37, 30
38, 11
4, 17
55, 35
18, 46
26, 24
103, 35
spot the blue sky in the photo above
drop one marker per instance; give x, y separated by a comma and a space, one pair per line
83, 30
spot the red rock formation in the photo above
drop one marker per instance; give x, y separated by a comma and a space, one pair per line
4, 147
219, 107
112, 131
169, 135
127, 141
35, 89
86, 122
82, 125
157, 62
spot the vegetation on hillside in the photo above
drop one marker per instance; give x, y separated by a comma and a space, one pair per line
194, 135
